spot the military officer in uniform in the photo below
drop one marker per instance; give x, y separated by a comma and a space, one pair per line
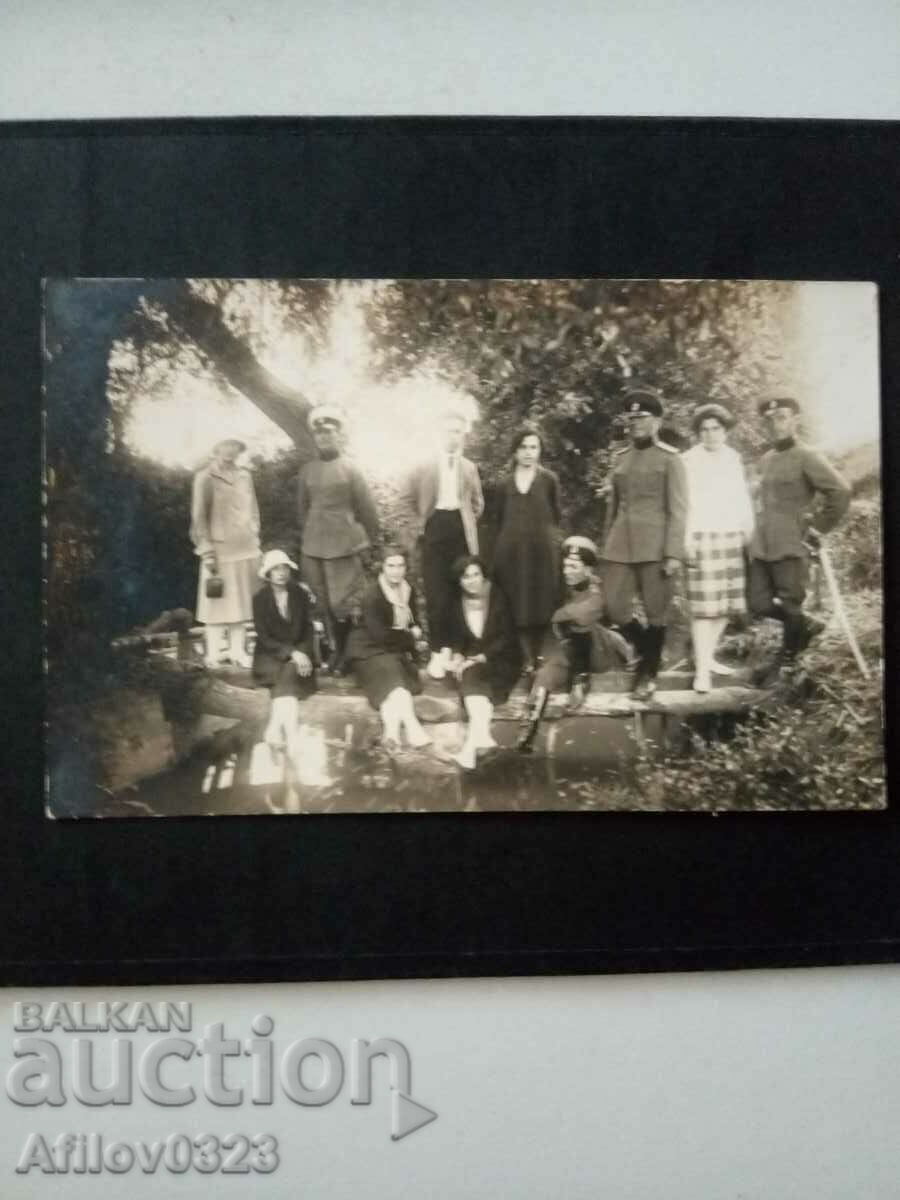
339, 527
644, 537
792, 478
578, 642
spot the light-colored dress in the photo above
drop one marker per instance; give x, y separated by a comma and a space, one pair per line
225, 518
719, 525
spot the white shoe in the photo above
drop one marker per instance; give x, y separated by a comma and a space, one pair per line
720, 669
487, 743
702, 682
465, 758
419, 742
436, 668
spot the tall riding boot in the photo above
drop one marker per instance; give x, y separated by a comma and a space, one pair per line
803, 630
337, 664
645, 685
633, 632
793, 635
537, 702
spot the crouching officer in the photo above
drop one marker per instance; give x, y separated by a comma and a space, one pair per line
578, 642
644, 538
792, 479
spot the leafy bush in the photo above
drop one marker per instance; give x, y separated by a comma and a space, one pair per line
817, 743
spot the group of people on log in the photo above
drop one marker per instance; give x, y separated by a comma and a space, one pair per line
552, 608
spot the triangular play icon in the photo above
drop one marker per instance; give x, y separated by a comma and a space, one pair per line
407, 1115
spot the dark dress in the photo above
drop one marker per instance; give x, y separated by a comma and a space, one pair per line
526, 553
383, 658
498, 643
278, 637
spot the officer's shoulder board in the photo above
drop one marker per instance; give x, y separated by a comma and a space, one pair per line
621, 450
667, 447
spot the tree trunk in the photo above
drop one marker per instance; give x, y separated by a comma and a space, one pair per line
202, 322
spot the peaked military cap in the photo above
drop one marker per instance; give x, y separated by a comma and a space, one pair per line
642, 402
766, 407
326, 414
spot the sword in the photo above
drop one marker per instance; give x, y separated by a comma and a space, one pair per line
838, 604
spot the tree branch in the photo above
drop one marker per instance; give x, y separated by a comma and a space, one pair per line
202, 322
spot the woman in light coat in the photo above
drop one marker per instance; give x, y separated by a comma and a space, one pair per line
225, 533
719, 528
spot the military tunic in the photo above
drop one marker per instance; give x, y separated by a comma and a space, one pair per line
645, 525
338, 518
792, 478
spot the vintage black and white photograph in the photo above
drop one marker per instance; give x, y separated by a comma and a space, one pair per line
465, 545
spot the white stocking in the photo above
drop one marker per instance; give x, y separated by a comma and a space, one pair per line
282, 720
212, 640
415, 734
390, 717
480, 711
716, 629
236, 644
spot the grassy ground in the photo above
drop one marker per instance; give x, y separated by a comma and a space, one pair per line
817, 743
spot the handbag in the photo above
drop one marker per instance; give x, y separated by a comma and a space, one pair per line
215, 587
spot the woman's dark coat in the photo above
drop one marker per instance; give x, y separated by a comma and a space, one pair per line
498, 643
276, 637
375, 633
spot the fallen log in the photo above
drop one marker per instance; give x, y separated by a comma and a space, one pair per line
181, 707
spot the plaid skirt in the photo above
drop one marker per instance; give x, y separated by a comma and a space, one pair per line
716, 583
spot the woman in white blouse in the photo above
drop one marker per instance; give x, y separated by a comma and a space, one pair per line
719, 527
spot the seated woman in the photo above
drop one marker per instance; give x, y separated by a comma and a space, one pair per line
579, 642
283, 656
381, 651
486, 656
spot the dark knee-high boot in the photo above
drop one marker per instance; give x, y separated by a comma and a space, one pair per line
535, 705
337, 664
651, 657
633, 632
799, 631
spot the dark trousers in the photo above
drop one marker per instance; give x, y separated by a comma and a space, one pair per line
783, 581
623, 581
444, 542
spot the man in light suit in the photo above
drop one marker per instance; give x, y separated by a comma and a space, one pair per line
444, 493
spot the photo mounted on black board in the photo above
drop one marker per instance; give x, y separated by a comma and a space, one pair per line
461, 546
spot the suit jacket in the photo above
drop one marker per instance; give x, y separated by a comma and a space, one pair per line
647, 511
790, 481
276, 637
422, 492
